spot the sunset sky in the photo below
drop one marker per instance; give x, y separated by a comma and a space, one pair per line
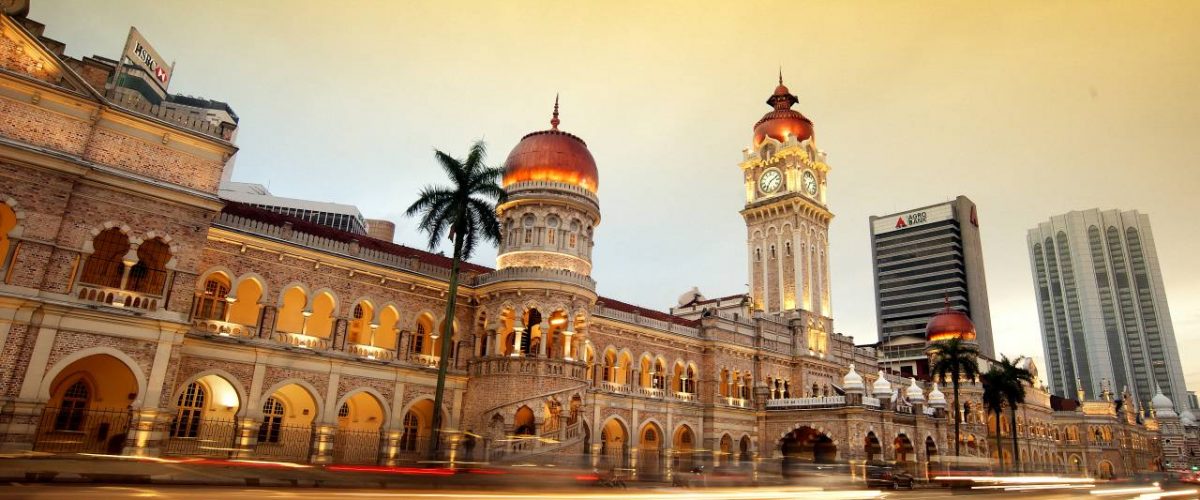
1031, 109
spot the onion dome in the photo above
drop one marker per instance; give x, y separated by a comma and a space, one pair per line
1186, 418
936, 398
782, 121
881, 388
914, 392
552, 155
950, 324
853, 381
1163, 407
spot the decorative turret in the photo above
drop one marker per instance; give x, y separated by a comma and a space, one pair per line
1162, 405
853, 382
915, 396
936, 398
882, 389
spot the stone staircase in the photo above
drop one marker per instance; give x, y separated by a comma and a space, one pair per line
562, 436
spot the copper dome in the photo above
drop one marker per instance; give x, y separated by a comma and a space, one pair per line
783, 121
552, 155
950, 324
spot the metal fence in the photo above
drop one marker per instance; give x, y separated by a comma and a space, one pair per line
75, 430
201, 438
284, 442
356, 446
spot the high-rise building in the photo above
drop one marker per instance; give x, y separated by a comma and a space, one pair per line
1102, 305
926, 259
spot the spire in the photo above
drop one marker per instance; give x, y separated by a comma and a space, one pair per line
781, 74
554, 121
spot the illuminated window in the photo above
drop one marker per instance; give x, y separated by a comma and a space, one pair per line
149, 275
73, 408
550, 235
571, 241
212, 303
191, 410
344, 411
528, 236
419, 339
272, 422
8, 220
104, 266
412, 425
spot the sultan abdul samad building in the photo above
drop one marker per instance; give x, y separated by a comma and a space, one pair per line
142, 314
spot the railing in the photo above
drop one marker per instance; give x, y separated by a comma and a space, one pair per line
824, 402
870, 401
284, 442
684, 396
286, 233
116, 297
72, 430
732, 401
616, 387
501, 365
903, 408
224, 328
192, 436
426, 360
928, 411
535, 273
370, 352
356, 447
638, 319
301, 340
179, 117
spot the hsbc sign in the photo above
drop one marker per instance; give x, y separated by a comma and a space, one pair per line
905, 220
139, 51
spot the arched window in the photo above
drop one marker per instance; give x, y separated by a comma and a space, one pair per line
8, 220
412, 425
418, 342
212, 303
73, 407
104, 266
189, 413
149, 275
272, 422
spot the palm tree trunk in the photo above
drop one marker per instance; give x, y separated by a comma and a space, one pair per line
1012, 409
957, 417
999, 448
447, 333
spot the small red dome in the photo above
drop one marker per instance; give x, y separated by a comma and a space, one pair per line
552, 155
950, 323
783, 121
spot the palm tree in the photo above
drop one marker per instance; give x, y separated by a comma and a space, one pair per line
466, 213
993, 401
955, 359
1014, 379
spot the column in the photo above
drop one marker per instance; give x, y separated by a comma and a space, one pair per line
517, 332
247, 437
322, 444
544, 344
567, 334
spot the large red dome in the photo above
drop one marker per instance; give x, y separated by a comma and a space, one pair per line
552, 155
948, 324
783, 121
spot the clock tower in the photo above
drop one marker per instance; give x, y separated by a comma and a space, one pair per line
787, 220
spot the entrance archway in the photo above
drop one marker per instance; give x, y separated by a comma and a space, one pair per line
204, 423
89, 407
902, 448
360, 418
806, 445
650, 446
614, 444
683, 446
285, 431
872, 447
726, 455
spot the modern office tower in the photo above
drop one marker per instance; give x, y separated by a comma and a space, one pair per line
335, 215
1103, 307
925, 259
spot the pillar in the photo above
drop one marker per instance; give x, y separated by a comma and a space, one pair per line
517, 332
322, 444
544, 344
246, 438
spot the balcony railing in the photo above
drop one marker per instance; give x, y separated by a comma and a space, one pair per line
370, 352
503, 365
301, 340
224, 328
427, 360
684, 396
115, 297
870, 401
789, 403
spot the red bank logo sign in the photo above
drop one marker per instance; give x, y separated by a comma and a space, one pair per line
138, 50
889, 223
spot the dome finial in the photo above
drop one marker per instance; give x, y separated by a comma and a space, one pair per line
781, 74
554, 121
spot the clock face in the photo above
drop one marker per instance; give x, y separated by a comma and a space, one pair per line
810, 184
770, 181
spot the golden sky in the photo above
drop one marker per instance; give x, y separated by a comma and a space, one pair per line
1030, 108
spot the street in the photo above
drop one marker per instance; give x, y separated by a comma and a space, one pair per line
24, 491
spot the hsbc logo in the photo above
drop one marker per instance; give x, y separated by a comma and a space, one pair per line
145, 58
